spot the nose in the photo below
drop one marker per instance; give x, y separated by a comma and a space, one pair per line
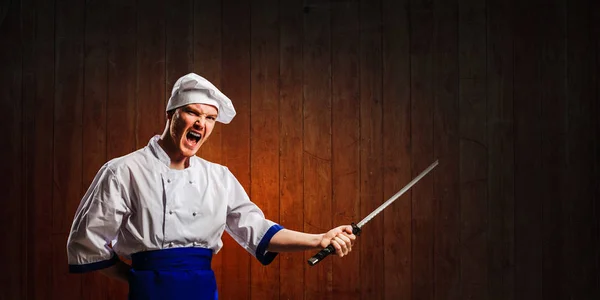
200, 122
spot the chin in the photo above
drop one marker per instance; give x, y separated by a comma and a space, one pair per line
187, 152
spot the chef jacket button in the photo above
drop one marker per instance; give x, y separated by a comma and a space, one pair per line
170, 212
194, 214
191, 182
195, 244
169, 180
171, 244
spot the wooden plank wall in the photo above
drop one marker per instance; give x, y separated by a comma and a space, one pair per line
340, 103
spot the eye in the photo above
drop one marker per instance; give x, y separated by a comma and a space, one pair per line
191, 112
212, 118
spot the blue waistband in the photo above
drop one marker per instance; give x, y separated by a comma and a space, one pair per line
175, 259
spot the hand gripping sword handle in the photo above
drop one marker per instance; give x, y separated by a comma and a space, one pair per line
329, 249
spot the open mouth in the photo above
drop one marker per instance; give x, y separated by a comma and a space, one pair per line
193, 137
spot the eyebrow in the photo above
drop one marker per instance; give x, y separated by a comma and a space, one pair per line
199, 112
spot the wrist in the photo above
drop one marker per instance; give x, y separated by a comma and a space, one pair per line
318, 240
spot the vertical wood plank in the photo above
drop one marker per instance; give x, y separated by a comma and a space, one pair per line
553, 150
292, 265
179, 25
67, 114
39, 167
12, 95
473, 149
421, 20
582, 275
236, 136
371, 144
345, 101
28, 49
121, 102
67, 156
501, 160
447, 150
317, 141
64, 285
397, 149
528, 208
94, 117
207, 63
150, 87
595, 10
264, 130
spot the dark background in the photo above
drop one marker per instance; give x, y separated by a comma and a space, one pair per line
340, 103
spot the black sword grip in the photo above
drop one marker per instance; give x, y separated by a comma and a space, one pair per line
321, 255
329, 249
356, 230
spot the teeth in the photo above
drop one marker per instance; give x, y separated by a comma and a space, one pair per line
195, 134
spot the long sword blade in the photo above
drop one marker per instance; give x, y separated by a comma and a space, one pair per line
356, 229
396, 196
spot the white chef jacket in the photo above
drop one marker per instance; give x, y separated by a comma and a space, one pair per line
137, 203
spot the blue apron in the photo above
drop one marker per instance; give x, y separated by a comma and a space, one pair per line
178, 273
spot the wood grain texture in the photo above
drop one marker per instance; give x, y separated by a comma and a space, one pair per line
360, 97
317, 141
447, 207
207, 63
67, 156
421, 47
345, 99
27, 138
64, 284
264, 130
528, 208
397, 152
553, 152
68, 95
501, 157
11, 97
473, 148
179, 51
291, 154
94, 112
151, 71
236, 84
371, 148
121, 108
582, 274
38, 106
595, 10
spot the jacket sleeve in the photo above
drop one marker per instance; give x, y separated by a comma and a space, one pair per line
96, 223
246, 223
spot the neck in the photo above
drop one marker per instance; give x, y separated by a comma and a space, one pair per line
179, 164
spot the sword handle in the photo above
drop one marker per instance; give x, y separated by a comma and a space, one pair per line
329, 249
321, 255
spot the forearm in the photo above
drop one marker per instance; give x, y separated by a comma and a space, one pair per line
119, 271
290, 241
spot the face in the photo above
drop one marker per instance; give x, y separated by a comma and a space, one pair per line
190, 126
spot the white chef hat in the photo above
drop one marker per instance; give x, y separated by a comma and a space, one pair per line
193, 88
